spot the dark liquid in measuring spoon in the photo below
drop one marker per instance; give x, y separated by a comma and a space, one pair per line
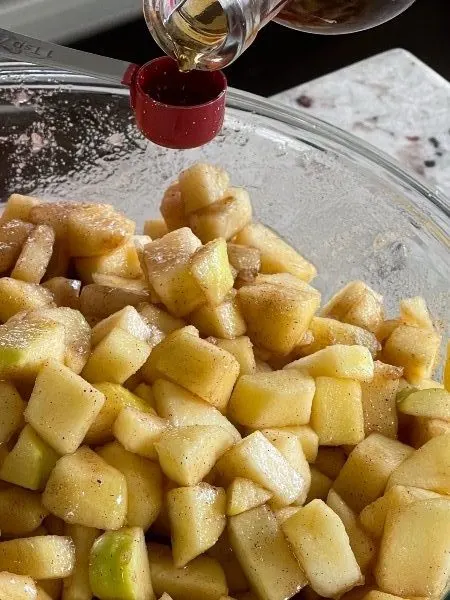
174, 88
185, 95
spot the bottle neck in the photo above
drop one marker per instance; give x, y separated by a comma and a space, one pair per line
207, 34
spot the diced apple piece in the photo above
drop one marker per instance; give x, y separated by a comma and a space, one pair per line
187, 454
17, 587
328, 332
119, 567
11, 411
30, 462
145, 392
211, 270
66, 292
414, 311
13, 235
347, 362
100, 301
97, 229
361, 543
159, 319
195, 364
413, 559
373, 516
21, 511
118, 356
364, 476
308, 439
183, 409
320, 485
320, 542
282, 514
427, 468
62, 407
167, 263
18, 207
121, 262
413, 348
422, 430
357, 304
17, 296
244, 494
223, 553
431, 403
246, 260
264, 554
276, 255
202, 185
379, 400
155, 228
55, 214
290, 447
337, 413
242, 350
128, 319
224, 218
117, 397
255, 458
277, 317
138, 431
224, 320
330, 461
77, 586
40, 557
201, 579
77, 333
35, 255
83, 489
276, 399
197, 519
144, 482
132, 285
172, 208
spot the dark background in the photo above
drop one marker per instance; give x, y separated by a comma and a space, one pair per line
281, 58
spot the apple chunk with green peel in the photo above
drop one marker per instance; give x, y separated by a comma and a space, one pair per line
16, 296
26, 345
30, 462
119, 566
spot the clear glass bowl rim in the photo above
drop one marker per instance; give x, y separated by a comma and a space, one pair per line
427, 202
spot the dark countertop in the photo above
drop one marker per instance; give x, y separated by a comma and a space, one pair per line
281, 58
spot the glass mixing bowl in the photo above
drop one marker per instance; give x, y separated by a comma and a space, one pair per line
350, 209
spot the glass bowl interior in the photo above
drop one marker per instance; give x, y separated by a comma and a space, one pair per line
344, 205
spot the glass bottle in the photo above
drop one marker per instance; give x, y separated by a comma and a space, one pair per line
211, 34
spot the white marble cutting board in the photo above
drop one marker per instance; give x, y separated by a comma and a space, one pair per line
392, 100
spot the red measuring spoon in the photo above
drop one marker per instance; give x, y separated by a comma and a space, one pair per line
172, 109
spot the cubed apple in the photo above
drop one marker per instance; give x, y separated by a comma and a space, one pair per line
187, 454
275, 399
103, 501
30, 461
118, 356
62, 407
